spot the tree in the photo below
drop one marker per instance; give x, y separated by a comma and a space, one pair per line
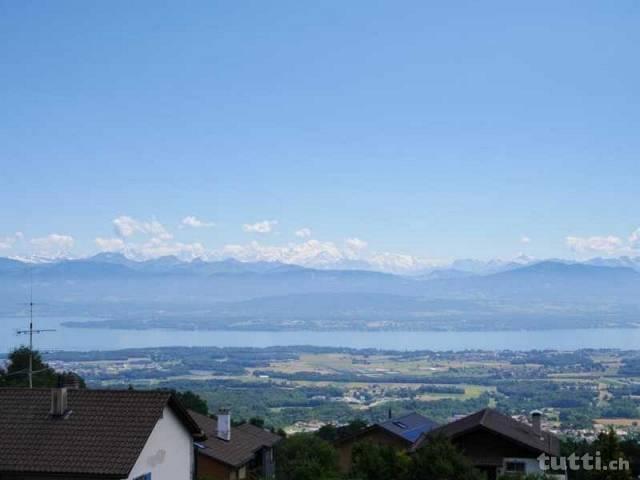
378, 462
439, 459
608, 446
328, 432
572, 446
192, 401
331, 433
631, 449
17, 372
257, 422
304, 456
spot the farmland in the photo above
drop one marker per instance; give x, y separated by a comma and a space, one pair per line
302, 387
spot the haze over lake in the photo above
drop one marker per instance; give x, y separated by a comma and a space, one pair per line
80, 339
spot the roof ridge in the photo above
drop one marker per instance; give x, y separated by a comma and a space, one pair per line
517, 422
123, 390
408, 414
500, 423
485, 414
89, 390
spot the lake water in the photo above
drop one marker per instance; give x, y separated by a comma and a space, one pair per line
105, 339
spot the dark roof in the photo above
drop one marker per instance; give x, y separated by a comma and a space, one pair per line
102, 436
246, 440
501, 424
409, 426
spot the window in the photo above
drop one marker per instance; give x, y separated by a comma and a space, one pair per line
515, 467
242, 473
146, 476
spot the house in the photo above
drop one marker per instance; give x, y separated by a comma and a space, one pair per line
401, 432
497, 444
234, 452
94, 435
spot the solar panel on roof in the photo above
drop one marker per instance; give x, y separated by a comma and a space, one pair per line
413, 435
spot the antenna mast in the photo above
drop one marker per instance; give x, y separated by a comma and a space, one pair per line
31, 331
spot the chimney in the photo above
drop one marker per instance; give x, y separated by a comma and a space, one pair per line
536, 422
389, 414
59, 399
224, 424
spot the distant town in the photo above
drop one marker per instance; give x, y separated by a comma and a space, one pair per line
303, 388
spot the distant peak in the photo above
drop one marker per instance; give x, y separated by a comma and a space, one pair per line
166, 260
108, 256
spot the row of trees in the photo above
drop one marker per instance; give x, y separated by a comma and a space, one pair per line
309, 457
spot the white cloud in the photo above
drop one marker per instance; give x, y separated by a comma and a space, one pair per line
303, 232
126, 226
308, 253
266, 226
399, 263
355, 244
194, 222
525, 240
608, 245
53, 245
634, 240
159, 242
143, 240
157, 248
318, 254
110, 244
10, 240
313, 252
153, 248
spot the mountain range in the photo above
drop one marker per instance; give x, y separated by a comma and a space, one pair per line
225, 294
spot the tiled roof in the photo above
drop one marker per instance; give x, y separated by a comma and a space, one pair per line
103, 435
409, 426
245, 441
501, 424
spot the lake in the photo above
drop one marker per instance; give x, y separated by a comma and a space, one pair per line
106, 339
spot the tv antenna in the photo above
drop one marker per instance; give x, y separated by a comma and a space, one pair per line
32, 331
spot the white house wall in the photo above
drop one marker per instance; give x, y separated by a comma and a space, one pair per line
532, 465
168, 453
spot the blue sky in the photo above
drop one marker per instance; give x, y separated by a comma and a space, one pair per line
429, 129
